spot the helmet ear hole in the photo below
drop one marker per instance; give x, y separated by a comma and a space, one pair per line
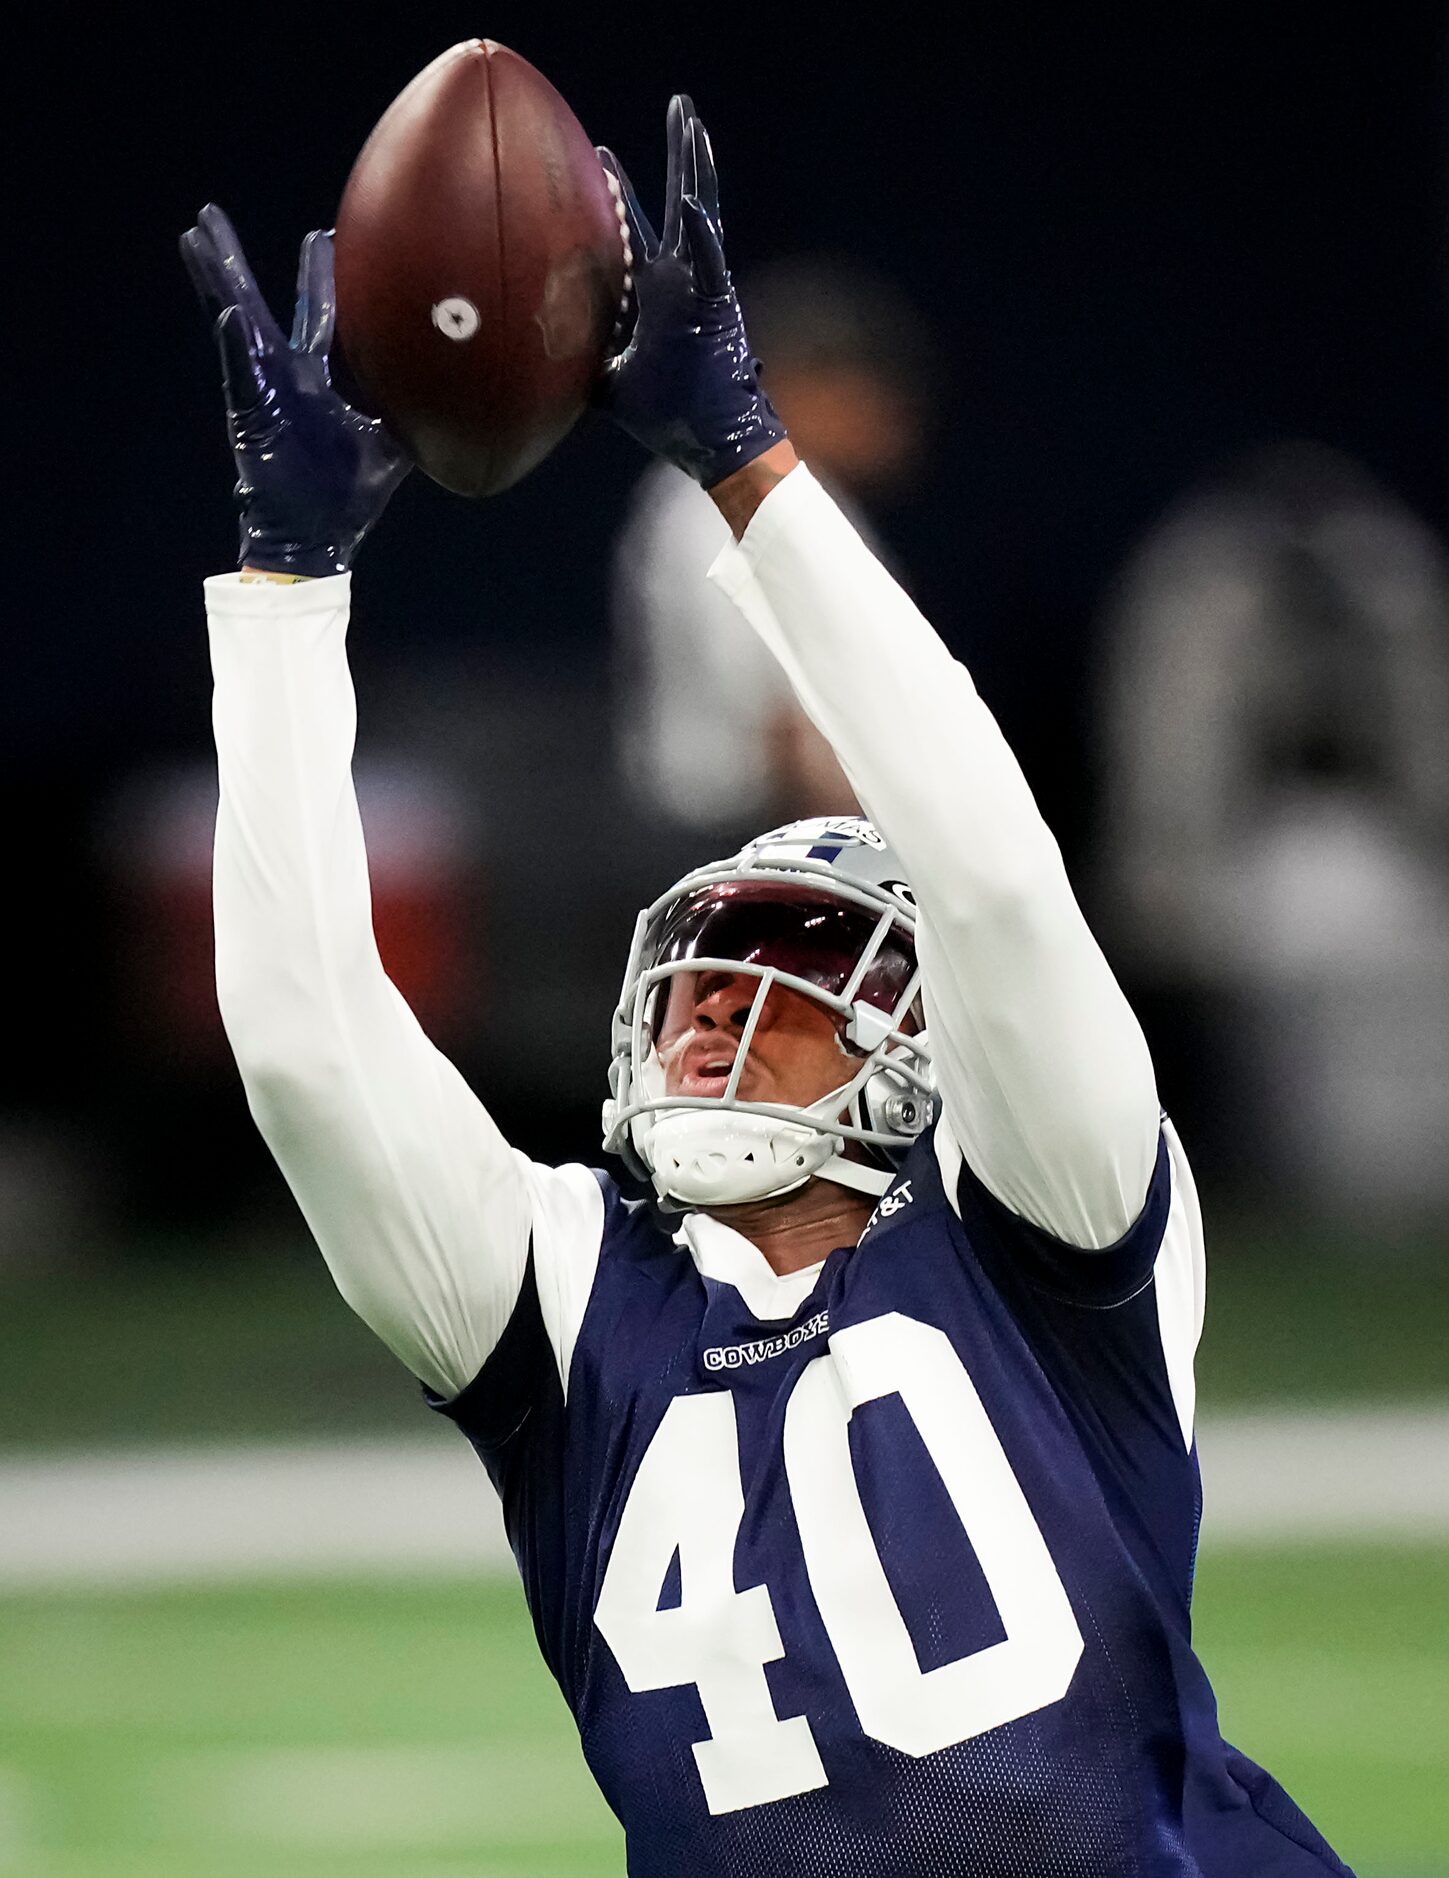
906, 1114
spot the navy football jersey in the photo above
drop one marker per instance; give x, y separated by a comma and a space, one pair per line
893, 1582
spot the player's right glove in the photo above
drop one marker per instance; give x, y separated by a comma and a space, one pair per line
687, 385
313, 474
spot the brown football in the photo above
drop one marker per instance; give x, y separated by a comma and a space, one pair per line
481, 260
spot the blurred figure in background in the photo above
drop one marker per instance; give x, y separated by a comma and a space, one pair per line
716, 740
1276, 745
427, 884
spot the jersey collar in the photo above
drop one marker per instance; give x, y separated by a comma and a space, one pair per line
721, 1253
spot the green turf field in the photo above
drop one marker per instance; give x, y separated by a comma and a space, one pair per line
408, 1732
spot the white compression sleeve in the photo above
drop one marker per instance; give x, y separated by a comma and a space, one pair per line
422, 1210
1044, 1074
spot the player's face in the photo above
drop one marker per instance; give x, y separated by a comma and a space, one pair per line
795, 1054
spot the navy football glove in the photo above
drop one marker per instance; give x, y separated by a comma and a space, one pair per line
686, 385
313, 474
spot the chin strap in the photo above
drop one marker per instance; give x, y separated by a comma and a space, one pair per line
855, 1174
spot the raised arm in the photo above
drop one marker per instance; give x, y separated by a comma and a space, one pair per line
423, 1212
1044, 1073
1045, 1078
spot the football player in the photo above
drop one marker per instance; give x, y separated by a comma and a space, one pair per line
851, 1480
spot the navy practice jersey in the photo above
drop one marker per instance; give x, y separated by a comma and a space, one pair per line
893, 1587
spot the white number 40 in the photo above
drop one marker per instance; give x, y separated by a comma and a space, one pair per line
687, 1497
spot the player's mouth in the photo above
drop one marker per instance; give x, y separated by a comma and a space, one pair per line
707, 1072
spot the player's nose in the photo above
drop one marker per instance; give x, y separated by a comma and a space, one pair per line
722, 1000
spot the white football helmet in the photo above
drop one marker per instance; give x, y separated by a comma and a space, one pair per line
819, 907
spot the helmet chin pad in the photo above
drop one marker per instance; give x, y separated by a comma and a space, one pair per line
719, 1157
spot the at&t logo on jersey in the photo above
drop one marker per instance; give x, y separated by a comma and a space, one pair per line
894, 1202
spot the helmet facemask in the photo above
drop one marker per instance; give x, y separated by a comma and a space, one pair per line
846, 945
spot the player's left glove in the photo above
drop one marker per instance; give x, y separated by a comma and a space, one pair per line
313, 475
687, 385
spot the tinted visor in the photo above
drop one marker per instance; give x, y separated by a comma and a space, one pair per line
811, 936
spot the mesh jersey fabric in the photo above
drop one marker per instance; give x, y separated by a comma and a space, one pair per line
1125, 1775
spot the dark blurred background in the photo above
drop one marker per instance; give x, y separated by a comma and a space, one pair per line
1150, 251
